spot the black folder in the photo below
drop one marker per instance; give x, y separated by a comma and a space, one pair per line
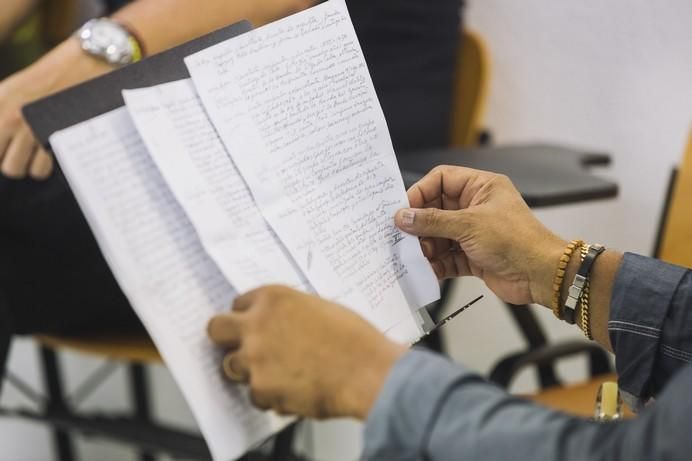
103, 94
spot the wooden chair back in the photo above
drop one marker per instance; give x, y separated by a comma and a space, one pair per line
676, 235
470, 90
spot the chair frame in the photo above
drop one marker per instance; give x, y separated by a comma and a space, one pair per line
136, 428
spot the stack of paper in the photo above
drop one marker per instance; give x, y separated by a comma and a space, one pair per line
273, 164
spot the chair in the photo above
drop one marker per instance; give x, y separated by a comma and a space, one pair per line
672, 245
576, 399
675, 230
470, 91
136, 428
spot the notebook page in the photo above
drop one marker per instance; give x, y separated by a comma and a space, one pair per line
295, 106
159, 263
194, 163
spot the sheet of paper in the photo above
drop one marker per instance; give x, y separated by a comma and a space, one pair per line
295, 106
157, 259
184, 145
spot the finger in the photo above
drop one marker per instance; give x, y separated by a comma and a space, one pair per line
5, 139
41, 165
439, 268
461, 263
431, 222
434, 248
225, 330
15, 164
281, 407
260, 400
441, 180
243, 302
453, 186
235, 368
450, 267
427, 245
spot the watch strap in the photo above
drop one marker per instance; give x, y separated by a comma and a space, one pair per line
138, 52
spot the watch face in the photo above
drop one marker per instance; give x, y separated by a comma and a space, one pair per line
106, 39
105, 34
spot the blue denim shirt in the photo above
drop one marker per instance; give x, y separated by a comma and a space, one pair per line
431, 409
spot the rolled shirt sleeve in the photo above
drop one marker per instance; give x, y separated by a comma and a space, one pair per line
650, 325
433, 410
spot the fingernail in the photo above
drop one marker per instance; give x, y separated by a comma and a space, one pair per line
211, 327
408, 217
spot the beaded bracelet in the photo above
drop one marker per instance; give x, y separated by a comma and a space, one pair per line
560, 274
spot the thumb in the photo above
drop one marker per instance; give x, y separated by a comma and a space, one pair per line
430, 222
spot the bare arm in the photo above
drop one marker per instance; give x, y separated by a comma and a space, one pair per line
160, 24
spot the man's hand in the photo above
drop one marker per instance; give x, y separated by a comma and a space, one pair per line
475, 223
302, 355
20, 154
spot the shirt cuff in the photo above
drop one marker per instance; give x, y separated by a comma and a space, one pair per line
643, 291
399, 424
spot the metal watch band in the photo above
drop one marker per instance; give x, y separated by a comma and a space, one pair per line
139, 51
569, 310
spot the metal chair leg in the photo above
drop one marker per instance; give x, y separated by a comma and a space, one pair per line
533, 333
139, 386
56, 403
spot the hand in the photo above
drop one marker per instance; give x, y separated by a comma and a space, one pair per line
475, 223
20, 153
303, 355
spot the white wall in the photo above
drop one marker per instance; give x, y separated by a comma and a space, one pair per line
613, 76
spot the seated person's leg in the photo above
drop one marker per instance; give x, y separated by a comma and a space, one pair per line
53, 276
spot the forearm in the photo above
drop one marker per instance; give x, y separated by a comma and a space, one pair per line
432, 409
162, 24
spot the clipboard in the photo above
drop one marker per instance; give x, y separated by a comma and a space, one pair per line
103, 94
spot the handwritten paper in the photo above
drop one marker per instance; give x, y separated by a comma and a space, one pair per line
157, 259
295, 106
193, 161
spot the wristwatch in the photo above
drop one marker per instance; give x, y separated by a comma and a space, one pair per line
110, 41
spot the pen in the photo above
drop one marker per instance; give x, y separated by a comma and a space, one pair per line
447, 319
